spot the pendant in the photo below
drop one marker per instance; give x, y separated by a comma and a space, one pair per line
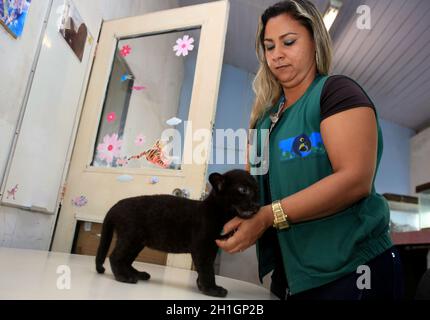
274, 118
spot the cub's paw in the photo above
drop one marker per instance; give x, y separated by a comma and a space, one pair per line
216, 291
127, 278
142, 275
100, 269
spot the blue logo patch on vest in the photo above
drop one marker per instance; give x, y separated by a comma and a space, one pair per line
301, 146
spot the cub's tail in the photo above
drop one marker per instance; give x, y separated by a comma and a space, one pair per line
105, 240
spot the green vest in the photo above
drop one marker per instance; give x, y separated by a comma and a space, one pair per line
320, 251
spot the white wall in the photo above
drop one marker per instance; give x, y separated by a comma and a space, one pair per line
420, 159
394, 169
19, 228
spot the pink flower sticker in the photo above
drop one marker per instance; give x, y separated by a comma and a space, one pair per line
125, 51
138, 88
110, 148
184, 45
111, 117
80, 201
12, 192
140, 140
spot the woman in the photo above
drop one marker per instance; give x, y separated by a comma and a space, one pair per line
322, 229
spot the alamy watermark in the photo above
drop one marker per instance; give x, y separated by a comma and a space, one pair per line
233, 147
64, 280
364, 21
364, 280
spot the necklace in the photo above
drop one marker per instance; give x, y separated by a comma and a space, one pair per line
274, 117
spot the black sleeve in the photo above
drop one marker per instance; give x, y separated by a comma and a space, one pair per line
341, 93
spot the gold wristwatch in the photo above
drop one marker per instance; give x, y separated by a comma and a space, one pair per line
280, 221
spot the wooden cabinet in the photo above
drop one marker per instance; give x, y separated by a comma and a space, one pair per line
87, 240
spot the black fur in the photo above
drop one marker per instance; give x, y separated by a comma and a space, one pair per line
177, 225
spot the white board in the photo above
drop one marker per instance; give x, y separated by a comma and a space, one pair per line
49, 123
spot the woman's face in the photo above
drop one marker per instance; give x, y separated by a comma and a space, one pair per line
289, 49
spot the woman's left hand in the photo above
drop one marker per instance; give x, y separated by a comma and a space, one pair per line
247, 230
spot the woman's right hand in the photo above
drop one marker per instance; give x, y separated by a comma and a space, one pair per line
248, 231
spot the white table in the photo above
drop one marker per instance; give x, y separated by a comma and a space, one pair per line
30, 274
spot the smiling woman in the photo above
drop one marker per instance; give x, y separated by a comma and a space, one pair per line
321, 219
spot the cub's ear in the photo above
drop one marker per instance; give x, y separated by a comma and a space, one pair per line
217, 181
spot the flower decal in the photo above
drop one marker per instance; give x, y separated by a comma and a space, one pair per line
110, 148
126, 77
111, 117
154, 180
183, 46
79, 201
140, 140
125, 51
139, 88
12, 192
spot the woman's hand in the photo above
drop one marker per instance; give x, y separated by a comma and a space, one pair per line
248, 230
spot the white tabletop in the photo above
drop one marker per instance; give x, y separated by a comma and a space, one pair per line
30, 274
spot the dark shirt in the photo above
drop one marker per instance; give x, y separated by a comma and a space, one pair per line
341, 93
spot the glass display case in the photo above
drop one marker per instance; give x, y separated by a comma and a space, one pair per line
404, 213
409, 219
410, 233
424, 210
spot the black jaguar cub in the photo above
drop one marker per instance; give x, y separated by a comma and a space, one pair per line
177, 225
